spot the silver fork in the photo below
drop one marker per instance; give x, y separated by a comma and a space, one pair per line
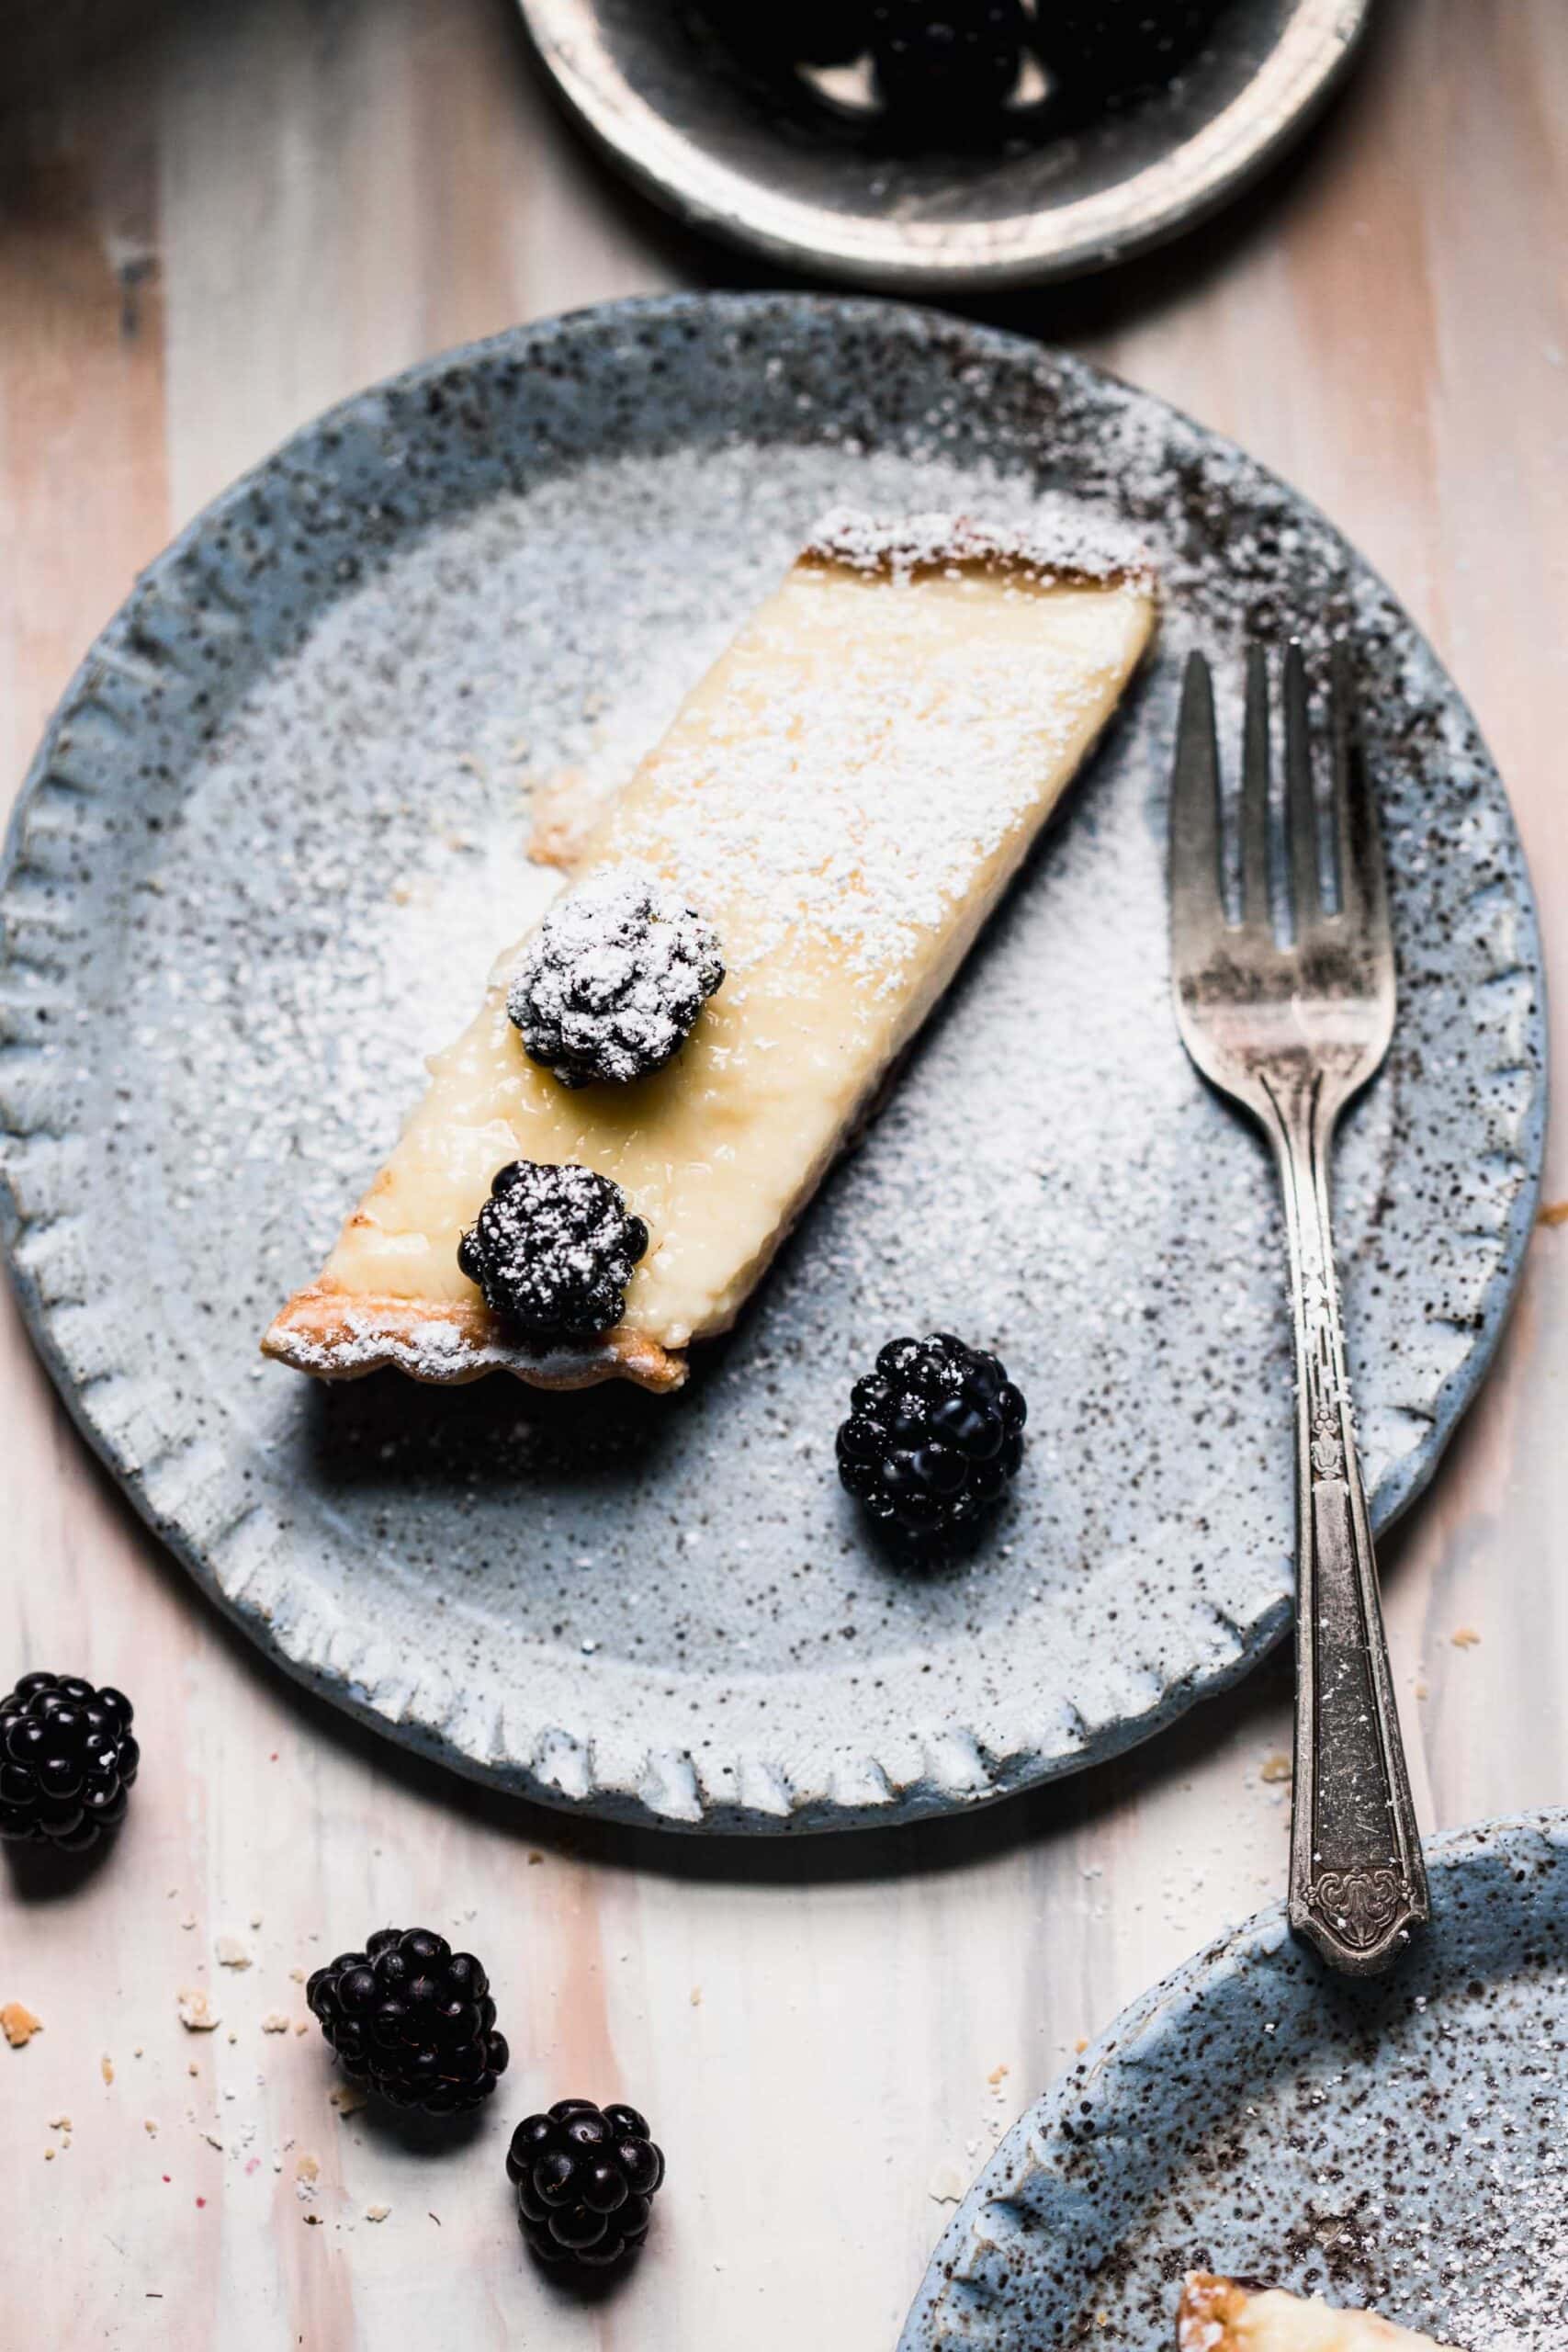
1292, 1032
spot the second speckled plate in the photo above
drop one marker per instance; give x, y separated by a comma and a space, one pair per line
1394, 2143
262, 859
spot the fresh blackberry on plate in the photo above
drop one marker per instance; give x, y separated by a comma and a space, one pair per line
946, 68
553, 1249
67, 1757
1104, 51
411, 2019
612, 981
585, 2179
933, 1436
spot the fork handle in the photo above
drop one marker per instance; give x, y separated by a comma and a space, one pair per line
1358, 1881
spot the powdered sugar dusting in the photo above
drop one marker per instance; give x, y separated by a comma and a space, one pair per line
857, 765
1055, 541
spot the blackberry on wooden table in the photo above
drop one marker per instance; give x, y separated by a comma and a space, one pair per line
411, 2019
585, 2179
67, 1757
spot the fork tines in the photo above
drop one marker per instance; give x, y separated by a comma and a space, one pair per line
1356, 899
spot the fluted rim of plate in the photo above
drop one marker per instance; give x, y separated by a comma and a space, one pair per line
745, 1789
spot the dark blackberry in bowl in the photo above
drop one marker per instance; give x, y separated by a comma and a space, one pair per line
412, 2020
553, 1249
945, 68
585, 2179
933, 1436
1108, 53
799, 32
67, 1757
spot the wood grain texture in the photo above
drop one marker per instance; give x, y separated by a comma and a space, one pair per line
260, 209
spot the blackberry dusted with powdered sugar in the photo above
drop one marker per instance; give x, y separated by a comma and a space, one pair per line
67, 1757
553, 1249
585, 2179
933, 1436
413, 2020
612, 981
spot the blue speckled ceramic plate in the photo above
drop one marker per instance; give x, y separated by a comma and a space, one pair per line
269, 846
1396, 2143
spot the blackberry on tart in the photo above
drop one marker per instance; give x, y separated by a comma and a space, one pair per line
609, 986
553, 1249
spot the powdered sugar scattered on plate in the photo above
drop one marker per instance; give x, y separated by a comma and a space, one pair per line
853, 772
219, 1025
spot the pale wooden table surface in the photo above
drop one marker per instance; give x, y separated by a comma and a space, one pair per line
264, 207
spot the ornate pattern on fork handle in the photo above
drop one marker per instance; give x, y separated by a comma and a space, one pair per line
1357, 1883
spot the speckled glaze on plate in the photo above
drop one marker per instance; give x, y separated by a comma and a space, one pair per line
1395, 2142
267, 851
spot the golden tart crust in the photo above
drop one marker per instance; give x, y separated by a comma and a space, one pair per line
1224, 2315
